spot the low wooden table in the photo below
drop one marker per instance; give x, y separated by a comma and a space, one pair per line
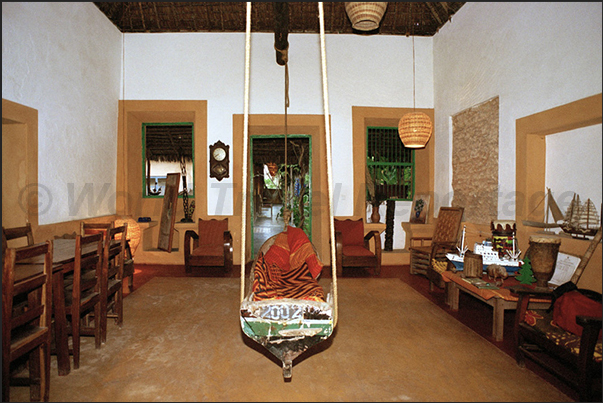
500, 300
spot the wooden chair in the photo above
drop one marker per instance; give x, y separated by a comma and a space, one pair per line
112, 278
572, 358
26, 317
212, 246
444, 240
83, 293
88, 228
352, 246
8, 234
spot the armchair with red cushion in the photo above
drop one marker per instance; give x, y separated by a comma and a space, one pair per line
211, 246
352, 246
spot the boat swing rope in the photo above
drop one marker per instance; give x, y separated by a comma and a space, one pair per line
325, 93
327, 149
286, 210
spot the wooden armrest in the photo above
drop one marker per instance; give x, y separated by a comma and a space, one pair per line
524, 293
371, 234
227, 238
422, 240
187, 241
525, 290
589, 321
338, 242
377, 238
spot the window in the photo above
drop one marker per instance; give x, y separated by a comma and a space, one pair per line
167, 148
390, 164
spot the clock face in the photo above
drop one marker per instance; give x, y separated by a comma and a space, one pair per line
219, 154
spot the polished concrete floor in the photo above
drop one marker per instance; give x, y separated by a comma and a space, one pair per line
265, 224
473, 313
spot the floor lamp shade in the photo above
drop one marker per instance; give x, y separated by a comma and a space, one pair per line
415, 129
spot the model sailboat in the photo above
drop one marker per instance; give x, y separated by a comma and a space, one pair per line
551, 209
580, 219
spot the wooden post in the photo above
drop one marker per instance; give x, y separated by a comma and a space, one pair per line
281, 30
587, 255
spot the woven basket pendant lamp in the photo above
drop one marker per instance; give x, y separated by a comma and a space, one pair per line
365, 16
415, 127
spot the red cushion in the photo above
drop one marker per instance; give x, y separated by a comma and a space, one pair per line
278, 253
302, 251
211, 232
355, 250
208, 250
352, 231
572, 304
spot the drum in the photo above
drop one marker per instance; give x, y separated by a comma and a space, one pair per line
473, 265
503, 236
543, 253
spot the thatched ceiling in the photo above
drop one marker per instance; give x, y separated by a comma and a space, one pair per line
272, 149
400, 18
168, 142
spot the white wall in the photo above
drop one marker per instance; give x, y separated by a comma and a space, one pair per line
534, 56
578, 171
361, 71
64, 59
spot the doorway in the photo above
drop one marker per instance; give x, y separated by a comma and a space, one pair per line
280, 182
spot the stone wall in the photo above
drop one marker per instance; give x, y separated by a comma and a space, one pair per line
475, 162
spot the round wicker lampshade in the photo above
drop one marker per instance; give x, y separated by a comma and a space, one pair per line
415, 129
134, 233
365, 16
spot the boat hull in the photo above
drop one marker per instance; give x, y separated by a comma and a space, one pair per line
510, 266
287, 327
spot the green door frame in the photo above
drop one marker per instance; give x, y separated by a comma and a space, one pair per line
264, 136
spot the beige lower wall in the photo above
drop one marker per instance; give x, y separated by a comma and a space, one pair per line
530, 141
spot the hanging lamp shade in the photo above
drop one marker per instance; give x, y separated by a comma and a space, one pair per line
365, 16
415, 129
272, 168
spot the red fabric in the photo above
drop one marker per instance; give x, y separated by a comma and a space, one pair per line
291, 249
269, 282
278, 253
352, 231
208, 250
302, 251
355, 250
571, 304
211, 232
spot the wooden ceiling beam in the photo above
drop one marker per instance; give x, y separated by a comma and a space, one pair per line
281, 30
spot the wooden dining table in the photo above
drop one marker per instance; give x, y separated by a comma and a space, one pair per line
63, 261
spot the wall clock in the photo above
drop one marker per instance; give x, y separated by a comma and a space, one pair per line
218, 160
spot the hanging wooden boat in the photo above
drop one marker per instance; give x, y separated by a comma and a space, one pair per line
285, 326
284, 308
581, 219
552, 209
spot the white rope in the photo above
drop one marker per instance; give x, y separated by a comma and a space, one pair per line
245, 136
325, 91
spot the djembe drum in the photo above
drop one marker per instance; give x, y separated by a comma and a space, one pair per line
543, 253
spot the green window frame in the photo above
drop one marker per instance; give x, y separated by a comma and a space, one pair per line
390, 164
180, 139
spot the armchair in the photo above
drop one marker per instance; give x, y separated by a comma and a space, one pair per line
211, 246
352, 246
445, 235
